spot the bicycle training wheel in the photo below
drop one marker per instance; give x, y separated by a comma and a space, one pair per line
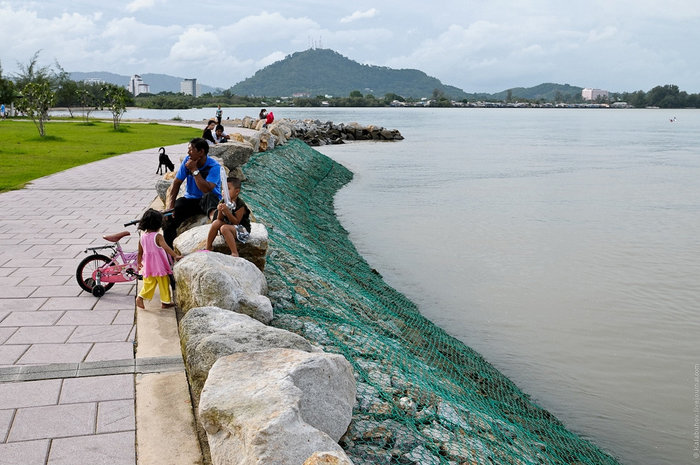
87, 267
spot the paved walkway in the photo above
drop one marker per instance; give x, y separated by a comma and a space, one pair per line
67, 358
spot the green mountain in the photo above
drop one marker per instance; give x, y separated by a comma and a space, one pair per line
547, 91
157, 82
326, 72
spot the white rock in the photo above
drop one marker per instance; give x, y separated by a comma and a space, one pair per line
208, 279
209, 333
277, 406
254, 250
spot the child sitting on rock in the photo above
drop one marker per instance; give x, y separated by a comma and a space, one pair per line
231, 218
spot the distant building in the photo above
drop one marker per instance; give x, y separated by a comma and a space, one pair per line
137, 86
593, 94
189, 87
301, 94
92, 81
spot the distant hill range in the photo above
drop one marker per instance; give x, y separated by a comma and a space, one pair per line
157, 82
326, 72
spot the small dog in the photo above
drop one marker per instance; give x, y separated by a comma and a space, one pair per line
164, 162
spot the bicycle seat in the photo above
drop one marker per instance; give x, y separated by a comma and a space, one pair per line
116, 237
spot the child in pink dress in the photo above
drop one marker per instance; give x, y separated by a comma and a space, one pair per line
153, 261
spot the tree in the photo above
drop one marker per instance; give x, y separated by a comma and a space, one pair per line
90, 97
35, 101
7, 89
355, 94
116, 99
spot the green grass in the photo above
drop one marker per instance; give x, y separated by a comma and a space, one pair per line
25, 156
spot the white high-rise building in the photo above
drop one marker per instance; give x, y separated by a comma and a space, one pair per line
189, 87
137, 86
593, 94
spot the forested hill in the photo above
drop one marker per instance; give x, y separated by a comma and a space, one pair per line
548, 91
326, 72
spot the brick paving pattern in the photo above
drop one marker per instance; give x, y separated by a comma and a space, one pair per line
67, 358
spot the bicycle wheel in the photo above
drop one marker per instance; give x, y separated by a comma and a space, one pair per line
87, 267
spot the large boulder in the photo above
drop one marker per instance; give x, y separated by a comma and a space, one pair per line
253, 250
277, 406
232, 154
209, 333
206, 279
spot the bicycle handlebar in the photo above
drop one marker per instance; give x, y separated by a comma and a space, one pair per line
131, 223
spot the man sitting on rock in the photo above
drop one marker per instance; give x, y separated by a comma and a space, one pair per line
203, 188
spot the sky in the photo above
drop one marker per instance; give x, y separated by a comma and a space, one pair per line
476, 45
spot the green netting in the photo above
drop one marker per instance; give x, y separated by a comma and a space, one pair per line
423, 396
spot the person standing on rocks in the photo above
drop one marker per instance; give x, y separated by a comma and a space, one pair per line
202, 175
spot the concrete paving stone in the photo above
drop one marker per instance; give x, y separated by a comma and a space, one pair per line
45, 281
35, 318
61, 262
17, 292
72, 290
27, 262
53, 421
28, 271
40, 241
54, 353
6, 417
3, 315
125, 317
9, 354
54, 253
87, 317
117, 298
36, 249
110, 351
99, 449
41, 335
67, 271
101, 333
22, 305
25, 453
69, 303
5, 333
114, 416
7, 281
29, 394
6, 271
97, 389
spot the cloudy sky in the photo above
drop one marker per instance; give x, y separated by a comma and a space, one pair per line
477, 45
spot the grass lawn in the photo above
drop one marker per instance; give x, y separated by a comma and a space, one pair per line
25, 156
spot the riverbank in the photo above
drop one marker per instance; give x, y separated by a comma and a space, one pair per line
423, 396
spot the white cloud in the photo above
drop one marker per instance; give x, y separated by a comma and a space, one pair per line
195, 44
136, 5
371, 13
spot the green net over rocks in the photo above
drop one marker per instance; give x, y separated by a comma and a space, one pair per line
423, 397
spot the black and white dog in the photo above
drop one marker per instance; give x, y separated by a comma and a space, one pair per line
164, 162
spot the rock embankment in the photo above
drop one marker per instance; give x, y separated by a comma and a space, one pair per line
316, 133
264, 395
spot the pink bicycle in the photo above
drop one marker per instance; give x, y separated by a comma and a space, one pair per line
97, 273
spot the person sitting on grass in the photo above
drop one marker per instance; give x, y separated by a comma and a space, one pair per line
231, 218
153, 261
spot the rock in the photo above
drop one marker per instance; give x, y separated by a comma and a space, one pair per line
208, 333
328, 458
233, 153
277, 406
192, 222
422, 456
206, 279
254, 250
162, 188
